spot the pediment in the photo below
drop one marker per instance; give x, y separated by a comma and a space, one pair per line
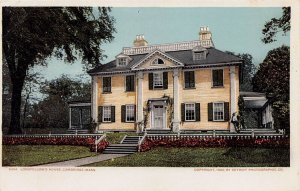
157, 59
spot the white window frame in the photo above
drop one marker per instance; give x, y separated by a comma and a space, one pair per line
185, 109
199, 55
155, 62
222, 111
127, 106
162, 80
212, 78
122, 61
104, 113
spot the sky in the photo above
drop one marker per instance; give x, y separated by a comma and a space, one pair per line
233, 29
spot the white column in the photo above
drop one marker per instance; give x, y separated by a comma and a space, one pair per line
70, 117
233, 95
176, 117
94, 105
140, 113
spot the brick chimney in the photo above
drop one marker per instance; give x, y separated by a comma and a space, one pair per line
205, 37
140, 41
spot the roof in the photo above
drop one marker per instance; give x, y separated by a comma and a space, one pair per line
214, 56
255, 104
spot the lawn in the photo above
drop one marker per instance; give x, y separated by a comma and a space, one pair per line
28, 155
203, 157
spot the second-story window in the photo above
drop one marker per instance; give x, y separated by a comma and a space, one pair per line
189, 79
106, 84
157, 80
217, 78
130, 83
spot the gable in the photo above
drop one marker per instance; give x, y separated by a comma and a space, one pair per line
157, 59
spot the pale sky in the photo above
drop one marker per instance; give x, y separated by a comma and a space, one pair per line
233, 29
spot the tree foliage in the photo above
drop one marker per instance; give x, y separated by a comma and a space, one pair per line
276, 25
32, 34
273, 77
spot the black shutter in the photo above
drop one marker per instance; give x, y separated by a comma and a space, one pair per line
226, 111
132, 83
215, 80
150, 76
210, 111
100, 109
182, 112
109, 84
192, 79
220, 77
165, 80
134, 112
127, 83
113, 117
186, 79
123, 113
197, 108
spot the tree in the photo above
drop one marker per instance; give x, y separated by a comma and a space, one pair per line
248, 70
276, 25
273, 77
32, 34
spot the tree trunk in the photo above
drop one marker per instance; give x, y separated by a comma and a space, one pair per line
17, 86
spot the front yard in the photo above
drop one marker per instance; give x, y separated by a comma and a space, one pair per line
28, 155
203, 157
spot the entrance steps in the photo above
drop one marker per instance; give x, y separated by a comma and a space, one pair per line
127, 146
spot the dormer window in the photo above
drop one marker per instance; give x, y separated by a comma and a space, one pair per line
158, 61
122, 60
199, 53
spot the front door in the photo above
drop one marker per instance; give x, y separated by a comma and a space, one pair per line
158, 117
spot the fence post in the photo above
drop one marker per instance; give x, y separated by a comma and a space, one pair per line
214, 133
252, 133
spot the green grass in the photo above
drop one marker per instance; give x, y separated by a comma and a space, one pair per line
115, 138
204, 157
28, 155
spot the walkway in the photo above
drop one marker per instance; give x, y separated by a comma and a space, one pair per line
83, 161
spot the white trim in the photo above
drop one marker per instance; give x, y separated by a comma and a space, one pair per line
126, 113
185, 111
156, 58
212, 79
110, 84
223, 111
157, 52
162, 79
108, 106
163, 103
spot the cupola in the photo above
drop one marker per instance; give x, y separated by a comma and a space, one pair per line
140, 41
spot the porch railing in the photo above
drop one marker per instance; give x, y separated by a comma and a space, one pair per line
97, 141
141, 141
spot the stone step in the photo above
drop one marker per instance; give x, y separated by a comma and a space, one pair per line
118, 152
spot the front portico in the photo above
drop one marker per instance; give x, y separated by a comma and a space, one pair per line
158, 113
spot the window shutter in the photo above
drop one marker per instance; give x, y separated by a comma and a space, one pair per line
127, 83
109, 84
123, 113
186, 79
226, 111
210, 111
113, 118
134, 112
192, 79
165, 80
220, 78
100, 110
182, 112
132, 83
197, 108
150, 76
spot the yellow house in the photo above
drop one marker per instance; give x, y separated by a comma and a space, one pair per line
179, 86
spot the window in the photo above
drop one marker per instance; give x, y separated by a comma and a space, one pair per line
218, 111
190, 112
189, 79
217, 76
199, 55
129, 83
157, 80
122, 61
158, 61
129, 113
106, 84
106, 114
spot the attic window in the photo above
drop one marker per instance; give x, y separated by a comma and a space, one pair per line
157, 61
122, 61
200, 55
